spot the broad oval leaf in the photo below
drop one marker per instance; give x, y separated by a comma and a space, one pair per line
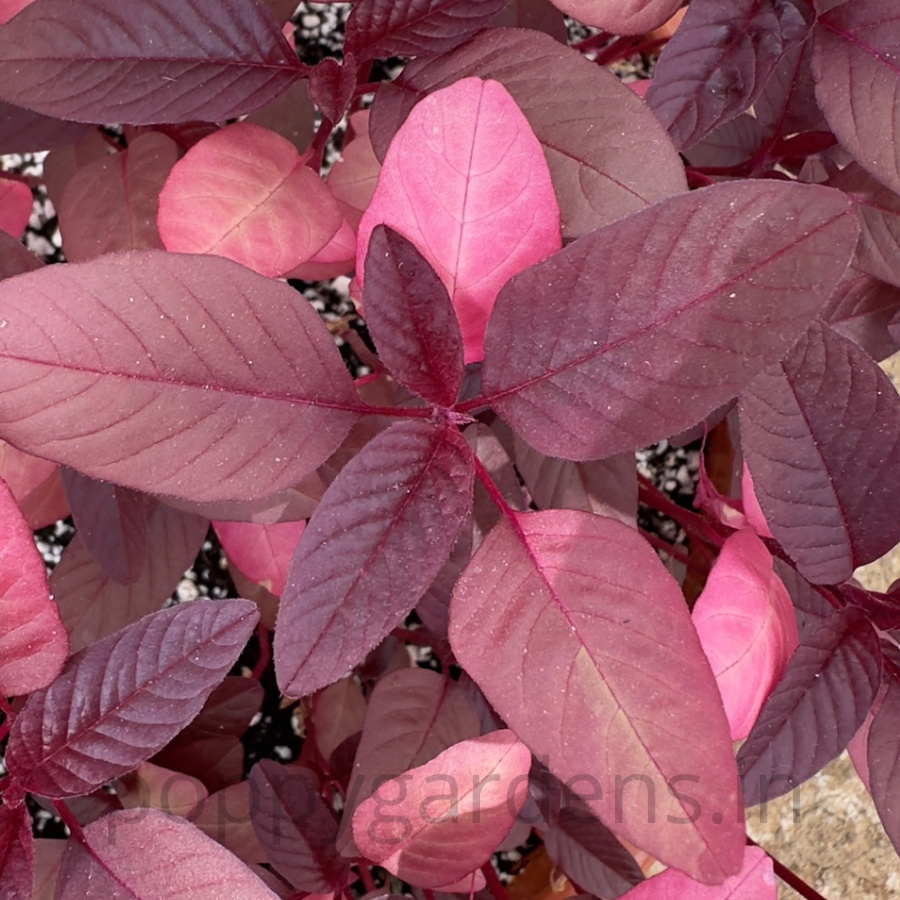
820, 433
378, 538
620, 16
122, 699
679, 307
745, 620
858, 82
159, 61
138, 854
245, 193
565, 619
262, 552
819, 704
465, 181
466, 798
883, 753
187, 375
33, 642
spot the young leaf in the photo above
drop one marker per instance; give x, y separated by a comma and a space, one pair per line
465, 181
821, 435
467, 797
679, 306
822, 699
564, 619
146, 853
411, 319
244, 193
33, 641
16, 853
262, 552
380, 535
170, 374
620, 16
120, 700
161, 61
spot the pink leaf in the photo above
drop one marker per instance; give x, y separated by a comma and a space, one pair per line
354, 176
380, 535
620, 16
16, 853
9, 8
467, 797
120, 700
146, 853
150, 786
187, 375
33, 642
15, 206
465, 180
745, 620
262, 552
244, 193
165, 61
564, 619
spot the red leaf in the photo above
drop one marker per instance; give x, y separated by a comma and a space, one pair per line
262, 552
745, 620
33, 642
856, 72
146, 853
296, 829
620, 16
564, 620
608, 155
170, 374
354, 176
15, 206
465, 180
16, 852
821, 435
467, 797
378, 538
244, 193
159, 61
411, 319
122, 699
679, 307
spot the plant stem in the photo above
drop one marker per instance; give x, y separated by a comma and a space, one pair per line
495, 886
265, 651
788, 877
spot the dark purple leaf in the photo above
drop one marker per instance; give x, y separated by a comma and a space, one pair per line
882, 609
16, 852
608, 155
157, 61
296, 829
812, 605
822, 699
331, 85
187, 375
122, 699
25, 131
729, 144
678, 308
15, 259
861, 309
411, 319
378, 538
93, 605
718, 61
883, 753
383, 28
821, 436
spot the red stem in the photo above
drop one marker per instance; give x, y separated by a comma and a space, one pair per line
69, 820
672, 550
788, 877
265, 651
595, 40
693, 524
493, 491
495, 886
625, 47
366, 876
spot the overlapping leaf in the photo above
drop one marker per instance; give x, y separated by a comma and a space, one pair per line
861, 309
158, 61
821, 436
882, 752
380, 535
174, 374
25, 131
678, 307
16, 853
15, 206
262, 552
564, 620
620, 16
123, 698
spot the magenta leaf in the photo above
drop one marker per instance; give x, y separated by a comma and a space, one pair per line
295, 827
33, 641
147, 853
262, 552
564, 619
411, 319
856, 72
111, 203
164, 61
883, 752
465, 181
718, 61
244, 193
383, 28
16, 853
745, 621
825, 491
172, 374
466, 797
15, 206
819, 704
93, 604
607, 153
380, 535
120, 700
701, 277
